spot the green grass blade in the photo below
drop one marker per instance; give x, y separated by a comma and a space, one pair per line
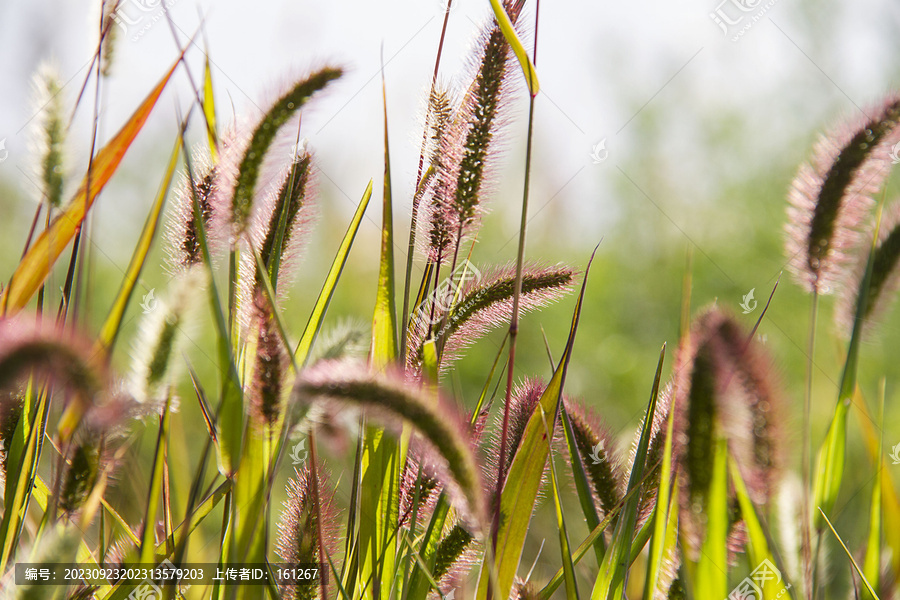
712, 569
25, 470
379, 508
759, 547
113, 322
525, 474
859, 571
564, 549
148, 537
872, 563
314, 324
890, 501
509, 32
548, 590
582, 485
209, 112
832, 454
664, 516
613, 575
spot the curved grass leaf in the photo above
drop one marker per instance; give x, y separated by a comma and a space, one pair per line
509, 32
37, 263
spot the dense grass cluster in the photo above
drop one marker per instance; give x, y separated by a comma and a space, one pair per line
442, 488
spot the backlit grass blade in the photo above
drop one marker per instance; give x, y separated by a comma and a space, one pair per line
582, 485
19, 479
337, 266
662, 522
209, 112
420, 581
548, 590
113, 322
872, 563
122, 589
525, 473
564, 550
711, 579
832, 453
509, 32
612, 578
37, 263
859, 571
381, 460
758, 543
890, 501
148, 536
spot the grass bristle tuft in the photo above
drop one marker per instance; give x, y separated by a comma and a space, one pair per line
303, 522
831, 197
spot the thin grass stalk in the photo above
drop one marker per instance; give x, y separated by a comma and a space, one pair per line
514, 321
417, 198
807, 446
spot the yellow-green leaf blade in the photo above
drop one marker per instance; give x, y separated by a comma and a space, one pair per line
37, 263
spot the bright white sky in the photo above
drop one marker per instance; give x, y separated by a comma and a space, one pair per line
649, 77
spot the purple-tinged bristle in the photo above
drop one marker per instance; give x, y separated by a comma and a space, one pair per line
831, 197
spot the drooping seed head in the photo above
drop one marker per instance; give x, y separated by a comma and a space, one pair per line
390, 399
485, 302
303, 522
884, 282
242, 176
831, 197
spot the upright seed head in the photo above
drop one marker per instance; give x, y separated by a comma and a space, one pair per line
109, 32
831, 197
269, 367
157, 350
50, 134
723, 390
597, 452
303, 522
80, 475
280, 227
183, 232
